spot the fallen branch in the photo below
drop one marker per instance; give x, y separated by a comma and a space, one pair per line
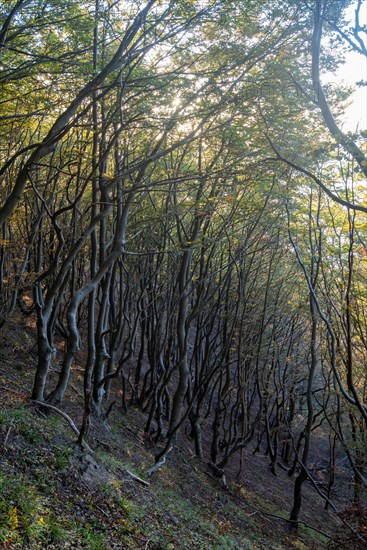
102, 444
7, 389
136, 478
8, 433
66, 417
294, 522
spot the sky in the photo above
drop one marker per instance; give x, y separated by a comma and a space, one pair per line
354, 70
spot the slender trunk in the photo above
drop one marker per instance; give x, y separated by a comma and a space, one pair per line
302, 476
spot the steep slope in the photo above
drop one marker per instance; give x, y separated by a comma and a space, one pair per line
55, 495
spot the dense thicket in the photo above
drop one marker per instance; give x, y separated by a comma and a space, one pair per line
184, 219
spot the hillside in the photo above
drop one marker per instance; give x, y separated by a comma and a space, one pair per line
55, 495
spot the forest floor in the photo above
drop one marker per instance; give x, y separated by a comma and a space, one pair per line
54, 495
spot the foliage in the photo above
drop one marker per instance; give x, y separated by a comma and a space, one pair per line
183, 228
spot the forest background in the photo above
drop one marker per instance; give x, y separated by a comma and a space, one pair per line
183, 224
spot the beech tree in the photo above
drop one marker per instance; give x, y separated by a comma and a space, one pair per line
183, 219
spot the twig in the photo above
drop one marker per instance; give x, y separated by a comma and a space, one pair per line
295, 522
6, 388
8, 433
66, 416
136, 478
77, 391
102, 511
102, 444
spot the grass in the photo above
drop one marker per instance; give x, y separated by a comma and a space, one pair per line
44, 501
22, 511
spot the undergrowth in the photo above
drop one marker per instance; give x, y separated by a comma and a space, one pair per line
52, 495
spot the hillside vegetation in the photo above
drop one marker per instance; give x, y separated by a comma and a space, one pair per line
55, 494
